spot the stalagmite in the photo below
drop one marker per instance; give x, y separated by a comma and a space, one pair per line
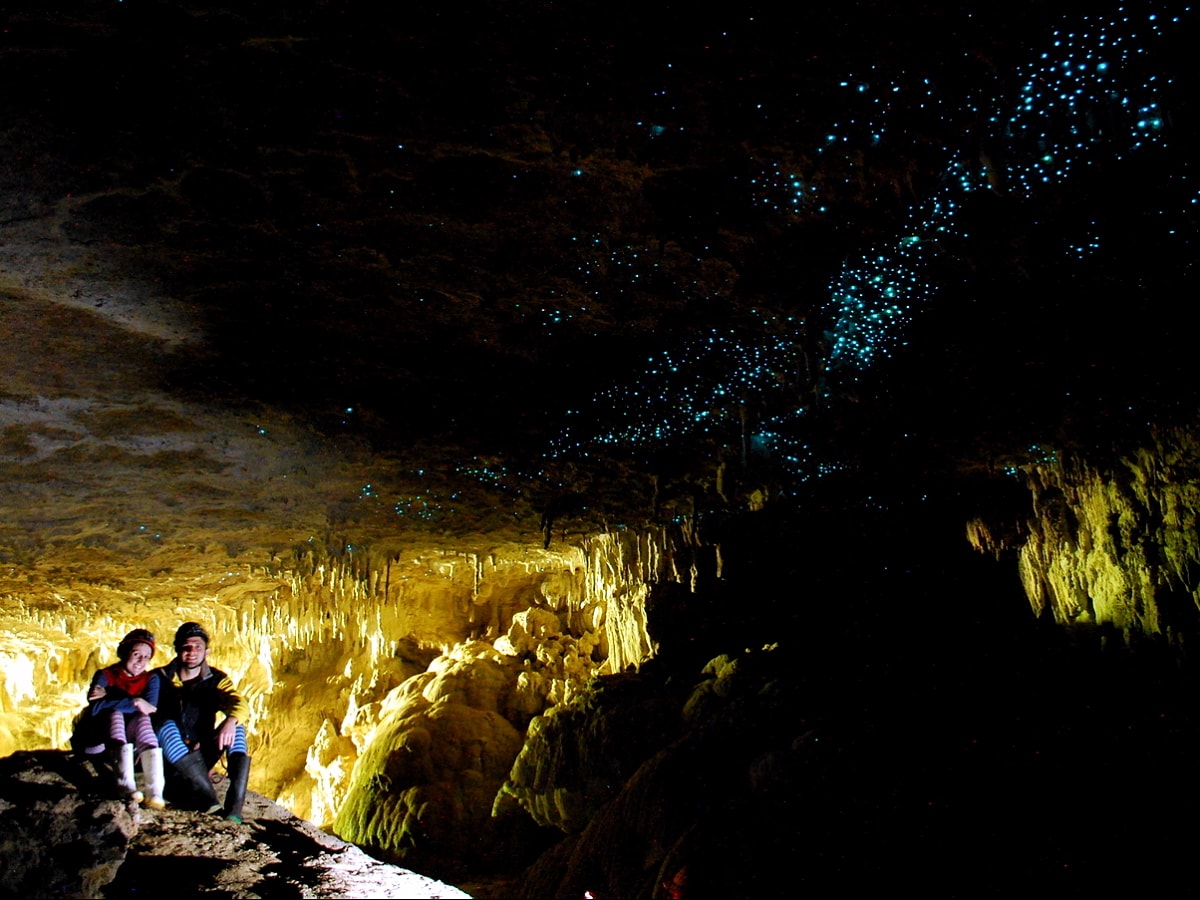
328, 656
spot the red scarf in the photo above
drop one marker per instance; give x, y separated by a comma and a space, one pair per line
133, 685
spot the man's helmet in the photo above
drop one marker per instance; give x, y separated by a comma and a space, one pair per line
137, 636
189, 630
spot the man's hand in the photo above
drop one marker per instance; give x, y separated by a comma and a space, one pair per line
226, 732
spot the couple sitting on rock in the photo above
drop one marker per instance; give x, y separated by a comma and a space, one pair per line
169, 712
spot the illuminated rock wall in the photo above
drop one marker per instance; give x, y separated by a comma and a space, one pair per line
1113, 547
435, 752
450, 651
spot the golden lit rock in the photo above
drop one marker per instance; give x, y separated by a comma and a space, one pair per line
330, 653
423, 789
1112, 546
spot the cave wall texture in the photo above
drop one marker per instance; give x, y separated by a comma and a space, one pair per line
1108, 544
566, 417
318, 651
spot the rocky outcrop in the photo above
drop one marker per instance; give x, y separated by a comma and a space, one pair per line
390, 692
64, 838
1111, 545
576, 757
57, 841
439, 748
339, 331
669, 784
763, 778
434, 753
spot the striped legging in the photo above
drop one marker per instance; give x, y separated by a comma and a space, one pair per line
125, 728
174, 748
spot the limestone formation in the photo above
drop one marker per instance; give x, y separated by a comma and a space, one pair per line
563, 418
1109, 545
577, 756
318, 654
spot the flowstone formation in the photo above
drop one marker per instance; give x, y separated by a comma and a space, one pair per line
392, 698
409, 351
440, 747
578, 755
671, 783
1109, 543
435, 752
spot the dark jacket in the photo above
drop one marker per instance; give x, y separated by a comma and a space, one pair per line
194, 704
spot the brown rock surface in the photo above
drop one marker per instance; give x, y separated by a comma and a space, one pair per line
62, 839
365, 332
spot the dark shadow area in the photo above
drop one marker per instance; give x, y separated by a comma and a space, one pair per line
184, 876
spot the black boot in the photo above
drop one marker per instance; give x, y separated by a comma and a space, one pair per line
194, 771
235, 794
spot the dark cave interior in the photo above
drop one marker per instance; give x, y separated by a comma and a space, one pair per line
615, 265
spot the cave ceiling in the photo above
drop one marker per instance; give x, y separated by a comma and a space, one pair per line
281, 277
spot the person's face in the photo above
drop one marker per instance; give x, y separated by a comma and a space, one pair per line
192, 653
139, 658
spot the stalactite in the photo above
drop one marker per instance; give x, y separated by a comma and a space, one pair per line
323, 640
1114, 545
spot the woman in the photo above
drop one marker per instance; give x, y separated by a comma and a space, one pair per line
121, 699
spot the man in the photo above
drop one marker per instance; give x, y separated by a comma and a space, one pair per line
191, 694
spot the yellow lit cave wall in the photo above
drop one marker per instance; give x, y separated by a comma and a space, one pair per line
446, 654
1111, 546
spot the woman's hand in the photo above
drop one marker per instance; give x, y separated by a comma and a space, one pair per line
96, 692
144, 706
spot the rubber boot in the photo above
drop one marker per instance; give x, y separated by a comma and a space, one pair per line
123, 764
152, 769
194, 770
235, 794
